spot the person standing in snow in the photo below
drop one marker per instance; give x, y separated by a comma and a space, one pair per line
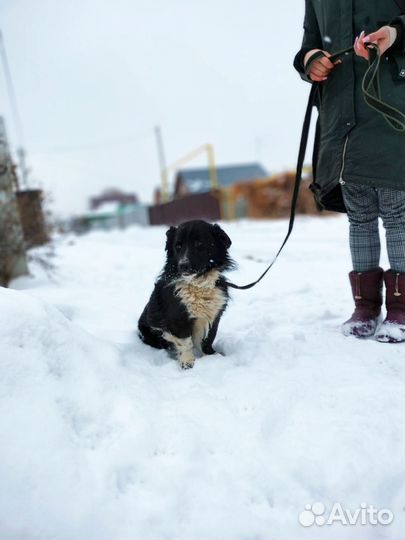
359, 151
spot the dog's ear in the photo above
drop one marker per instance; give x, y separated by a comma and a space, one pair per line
170, 238
221, 235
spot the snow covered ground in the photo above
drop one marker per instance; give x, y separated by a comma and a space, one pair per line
103, 437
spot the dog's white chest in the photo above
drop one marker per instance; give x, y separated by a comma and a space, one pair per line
203, 301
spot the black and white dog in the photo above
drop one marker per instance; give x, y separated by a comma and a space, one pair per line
190, 294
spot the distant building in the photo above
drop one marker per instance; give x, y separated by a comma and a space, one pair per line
111, 210
113, 196
192, 181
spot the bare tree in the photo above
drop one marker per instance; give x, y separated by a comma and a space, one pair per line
12, 248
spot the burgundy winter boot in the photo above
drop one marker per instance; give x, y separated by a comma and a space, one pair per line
367, 294
392, 329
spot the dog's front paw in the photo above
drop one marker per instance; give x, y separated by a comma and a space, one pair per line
208, 350
187, 364
185, 352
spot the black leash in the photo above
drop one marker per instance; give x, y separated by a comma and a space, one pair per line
372, 95
298, 177
372, 92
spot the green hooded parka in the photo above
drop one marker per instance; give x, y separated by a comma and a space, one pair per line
356, 144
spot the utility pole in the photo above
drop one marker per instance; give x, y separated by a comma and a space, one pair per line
24, 171
212, 166
162, 163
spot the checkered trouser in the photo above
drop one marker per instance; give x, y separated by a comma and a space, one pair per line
365, 204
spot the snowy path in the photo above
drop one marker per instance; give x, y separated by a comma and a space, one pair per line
102, 437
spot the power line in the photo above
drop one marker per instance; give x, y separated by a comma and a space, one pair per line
11, 92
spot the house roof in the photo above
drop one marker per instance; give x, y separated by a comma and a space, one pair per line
198, 180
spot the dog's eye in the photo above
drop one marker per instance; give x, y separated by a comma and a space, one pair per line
178, 246
198, 243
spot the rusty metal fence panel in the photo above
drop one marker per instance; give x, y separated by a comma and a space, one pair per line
205, 206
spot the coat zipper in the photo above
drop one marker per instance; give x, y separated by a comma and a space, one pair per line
341, 181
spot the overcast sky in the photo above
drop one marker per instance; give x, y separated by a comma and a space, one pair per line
93, 78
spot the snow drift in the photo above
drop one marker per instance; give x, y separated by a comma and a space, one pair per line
102, 437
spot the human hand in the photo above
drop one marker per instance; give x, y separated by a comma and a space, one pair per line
321, 67
384, 38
